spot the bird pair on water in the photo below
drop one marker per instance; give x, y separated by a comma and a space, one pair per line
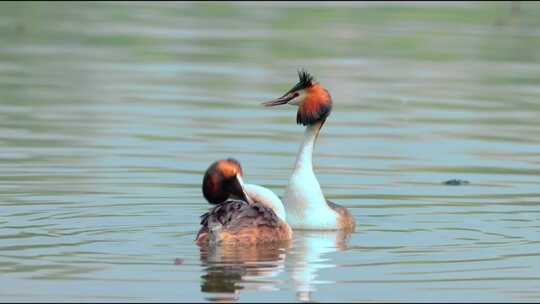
250, 214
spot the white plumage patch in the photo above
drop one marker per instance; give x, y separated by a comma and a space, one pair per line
267, 198
304, 201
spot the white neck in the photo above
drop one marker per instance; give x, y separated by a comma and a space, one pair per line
304, 158
304, 200
267, 198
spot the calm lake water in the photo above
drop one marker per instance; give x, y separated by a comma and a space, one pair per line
111, 112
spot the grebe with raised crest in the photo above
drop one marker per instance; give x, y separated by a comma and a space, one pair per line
305, 204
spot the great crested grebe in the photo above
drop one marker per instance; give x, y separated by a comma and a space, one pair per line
245, 213
304, 201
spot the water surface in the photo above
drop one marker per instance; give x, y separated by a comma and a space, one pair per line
111, 112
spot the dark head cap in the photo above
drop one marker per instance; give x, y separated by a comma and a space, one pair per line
223, 180
313, 100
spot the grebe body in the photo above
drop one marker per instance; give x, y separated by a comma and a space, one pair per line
244, 214
305, 204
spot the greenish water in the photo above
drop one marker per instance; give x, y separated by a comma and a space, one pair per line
111, 112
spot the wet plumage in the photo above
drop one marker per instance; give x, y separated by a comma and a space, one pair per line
239, 216
235, 220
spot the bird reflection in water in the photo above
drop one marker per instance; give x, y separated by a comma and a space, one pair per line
229, 269
308, 255
227, 266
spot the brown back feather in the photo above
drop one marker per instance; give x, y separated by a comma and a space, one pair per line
345, 220
234, 216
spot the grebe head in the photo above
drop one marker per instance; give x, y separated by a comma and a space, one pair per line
313, 100
223, 180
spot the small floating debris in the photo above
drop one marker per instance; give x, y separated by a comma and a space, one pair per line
456, 182
178, 261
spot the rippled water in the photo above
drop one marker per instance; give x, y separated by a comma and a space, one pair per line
111, 112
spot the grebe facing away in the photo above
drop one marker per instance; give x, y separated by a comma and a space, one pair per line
304, 201
245, 213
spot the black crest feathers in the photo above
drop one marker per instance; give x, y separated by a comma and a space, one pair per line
305, 81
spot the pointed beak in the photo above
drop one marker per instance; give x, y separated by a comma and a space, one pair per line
281, 100
241, 189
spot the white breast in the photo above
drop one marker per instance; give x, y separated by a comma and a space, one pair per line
266, 197
305, 203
